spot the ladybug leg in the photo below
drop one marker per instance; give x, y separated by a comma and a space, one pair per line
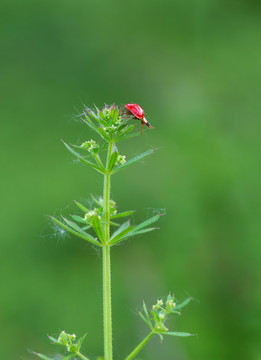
141, 128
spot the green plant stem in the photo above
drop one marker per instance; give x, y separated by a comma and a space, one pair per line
107, 319
82, 356
140, 346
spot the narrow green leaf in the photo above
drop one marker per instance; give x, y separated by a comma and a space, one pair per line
115, 113
183, 334
121, 126
184, 303
145, 320
96, 224
80, 220
86, 227
121, 236
98, 168
121, 232
82, 207
135, 232
86, 236
123, 226
113, 160
53, 340
123, 214
133, 160
114, 224
81, 158
146, 223
44, 357
73, 225
143, 231
88, 122
132, 233
175, 312
125, 132
92, 114
146, 310
80, 341
147, 314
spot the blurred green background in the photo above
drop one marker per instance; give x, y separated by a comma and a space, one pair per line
194, 66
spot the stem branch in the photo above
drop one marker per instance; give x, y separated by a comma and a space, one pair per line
140, 346
82, 356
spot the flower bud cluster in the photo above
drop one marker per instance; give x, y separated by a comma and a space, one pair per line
110, 129
108, 114
121, 160
98, 211
160, 313
90, 145
106, 111
67, 340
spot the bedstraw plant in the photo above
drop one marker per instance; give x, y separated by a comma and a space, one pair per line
100, 227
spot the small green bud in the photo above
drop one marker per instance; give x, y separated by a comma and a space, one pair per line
159, 302
118, 120
121, 160
170, 304
162, 315
72, 337
89, 215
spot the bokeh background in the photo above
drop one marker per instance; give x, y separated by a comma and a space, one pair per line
194, 66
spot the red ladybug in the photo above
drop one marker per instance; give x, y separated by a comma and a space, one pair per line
138, 112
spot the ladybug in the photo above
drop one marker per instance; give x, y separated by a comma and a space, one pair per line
139, 114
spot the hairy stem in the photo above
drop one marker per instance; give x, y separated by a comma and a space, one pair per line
107, 264
140, 346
